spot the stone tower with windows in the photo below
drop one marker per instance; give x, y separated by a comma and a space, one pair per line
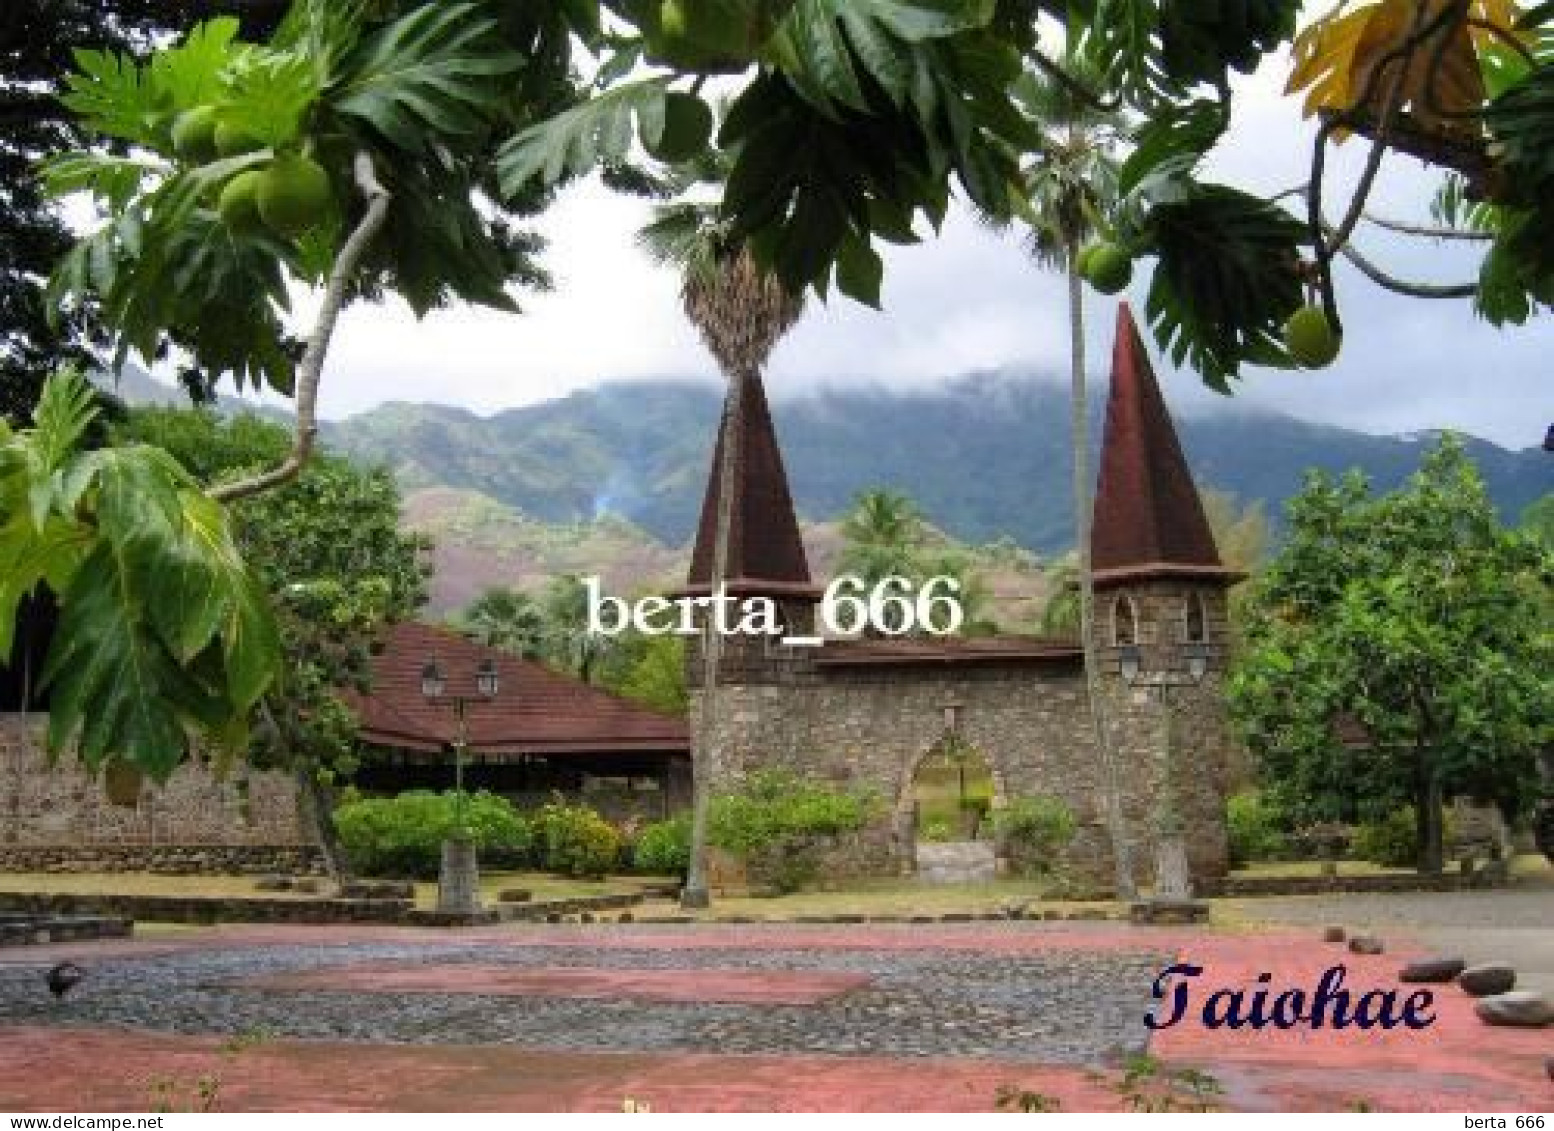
1159, 587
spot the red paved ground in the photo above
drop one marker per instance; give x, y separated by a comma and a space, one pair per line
1458, 1064
733, 987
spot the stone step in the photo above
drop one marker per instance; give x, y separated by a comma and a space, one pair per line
957, 862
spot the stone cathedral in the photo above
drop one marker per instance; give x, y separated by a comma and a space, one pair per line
867, 712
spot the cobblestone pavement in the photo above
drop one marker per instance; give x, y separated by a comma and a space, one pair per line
1065, 1008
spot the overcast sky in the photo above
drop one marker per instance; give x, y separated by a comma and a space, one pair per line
970, 300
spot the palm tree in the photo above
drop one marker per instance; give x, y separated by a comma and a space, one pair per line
506, 619
566, 641
741, 311
1072, 187
884, 533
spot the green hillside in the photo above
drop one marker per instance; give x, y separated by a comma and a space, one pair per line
985, 456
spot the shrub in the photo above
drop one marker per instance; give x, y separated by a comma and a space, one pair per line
1034, 831
936, 830
1252, 825
403, 835
664, 847
776, 820
1391, 842
775, 807
575, 841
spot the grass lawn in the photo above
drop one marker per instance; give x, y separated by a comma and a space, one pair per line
1301, 868
1529, 864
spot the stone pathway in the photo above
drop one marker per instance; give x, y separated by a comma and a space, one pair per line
1053, 1008
906, 1018
1514, 925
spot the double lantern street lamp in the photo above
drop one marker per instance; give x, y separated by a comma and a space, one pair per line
458, 881
1173, 880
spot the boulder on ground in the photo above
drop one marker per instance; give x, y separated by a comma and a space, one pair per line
1519, 1008
1433, 970
1487, 979
1334, 934
1366, 944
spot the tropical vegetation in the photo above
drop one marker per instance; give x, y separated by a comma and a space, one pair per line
1396, 651
389, 148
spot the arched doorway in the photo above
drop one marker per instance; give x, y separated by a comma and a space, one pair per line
952, 793
949, 807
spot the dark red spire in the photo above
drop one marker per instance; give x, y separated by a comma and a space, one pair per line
1149, 521
765, 552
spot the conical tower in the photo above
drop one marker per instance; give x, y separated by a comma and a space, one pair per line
765, 552
1160, 597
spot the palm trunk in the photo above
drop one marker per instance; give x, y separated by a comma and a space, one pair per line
318, 811
1122, 853
695, 893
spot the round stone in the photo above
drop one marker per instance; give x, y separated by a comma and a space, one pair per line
1487, 979
1366, 944
1518, 1008
1433, 970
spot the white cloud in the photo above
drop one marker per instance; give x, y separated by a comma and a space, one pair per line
966, 300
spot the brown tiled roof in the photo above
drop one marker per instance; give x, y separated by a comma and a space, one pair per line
536, 711
765, 552
948, 650
1148, 519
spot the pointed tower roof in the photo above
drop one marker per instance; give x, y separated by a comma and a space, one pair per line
1148, 519
765, 552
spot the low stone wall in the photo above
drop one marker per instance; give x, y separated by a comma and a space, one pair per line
204, 859
208, 909
29, 930
1252, 886
261, 909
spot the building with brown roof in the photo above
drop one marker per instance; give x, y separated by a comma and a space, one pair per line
871, 711
542, 731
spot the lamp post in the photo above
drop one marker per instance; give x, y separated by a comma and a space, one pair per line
458, 881
1173, 878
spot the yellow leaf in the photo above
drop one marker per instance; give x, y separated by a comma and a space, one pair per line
1336, 57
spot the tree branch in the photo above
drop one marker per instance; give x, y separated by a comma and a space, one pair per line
1391, 282
1427, 231
311, 368
1078, 89
1399, 286
1464, 155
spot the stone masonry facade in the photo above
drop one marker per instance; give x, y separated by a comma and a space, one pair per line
870, 727
57, 817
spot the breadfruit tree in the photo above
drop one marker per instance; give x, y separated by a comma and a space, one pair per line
382, 146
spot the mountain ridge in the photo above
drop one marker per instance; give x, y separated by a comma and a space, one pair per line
985, 455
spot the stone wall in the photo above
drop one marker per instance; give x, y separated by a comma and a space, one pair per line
166, 859
59, 807
871, 727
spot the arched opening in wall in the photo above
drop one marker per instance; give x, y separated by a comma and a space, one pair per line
952, 794
1195, 620
1125, 626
